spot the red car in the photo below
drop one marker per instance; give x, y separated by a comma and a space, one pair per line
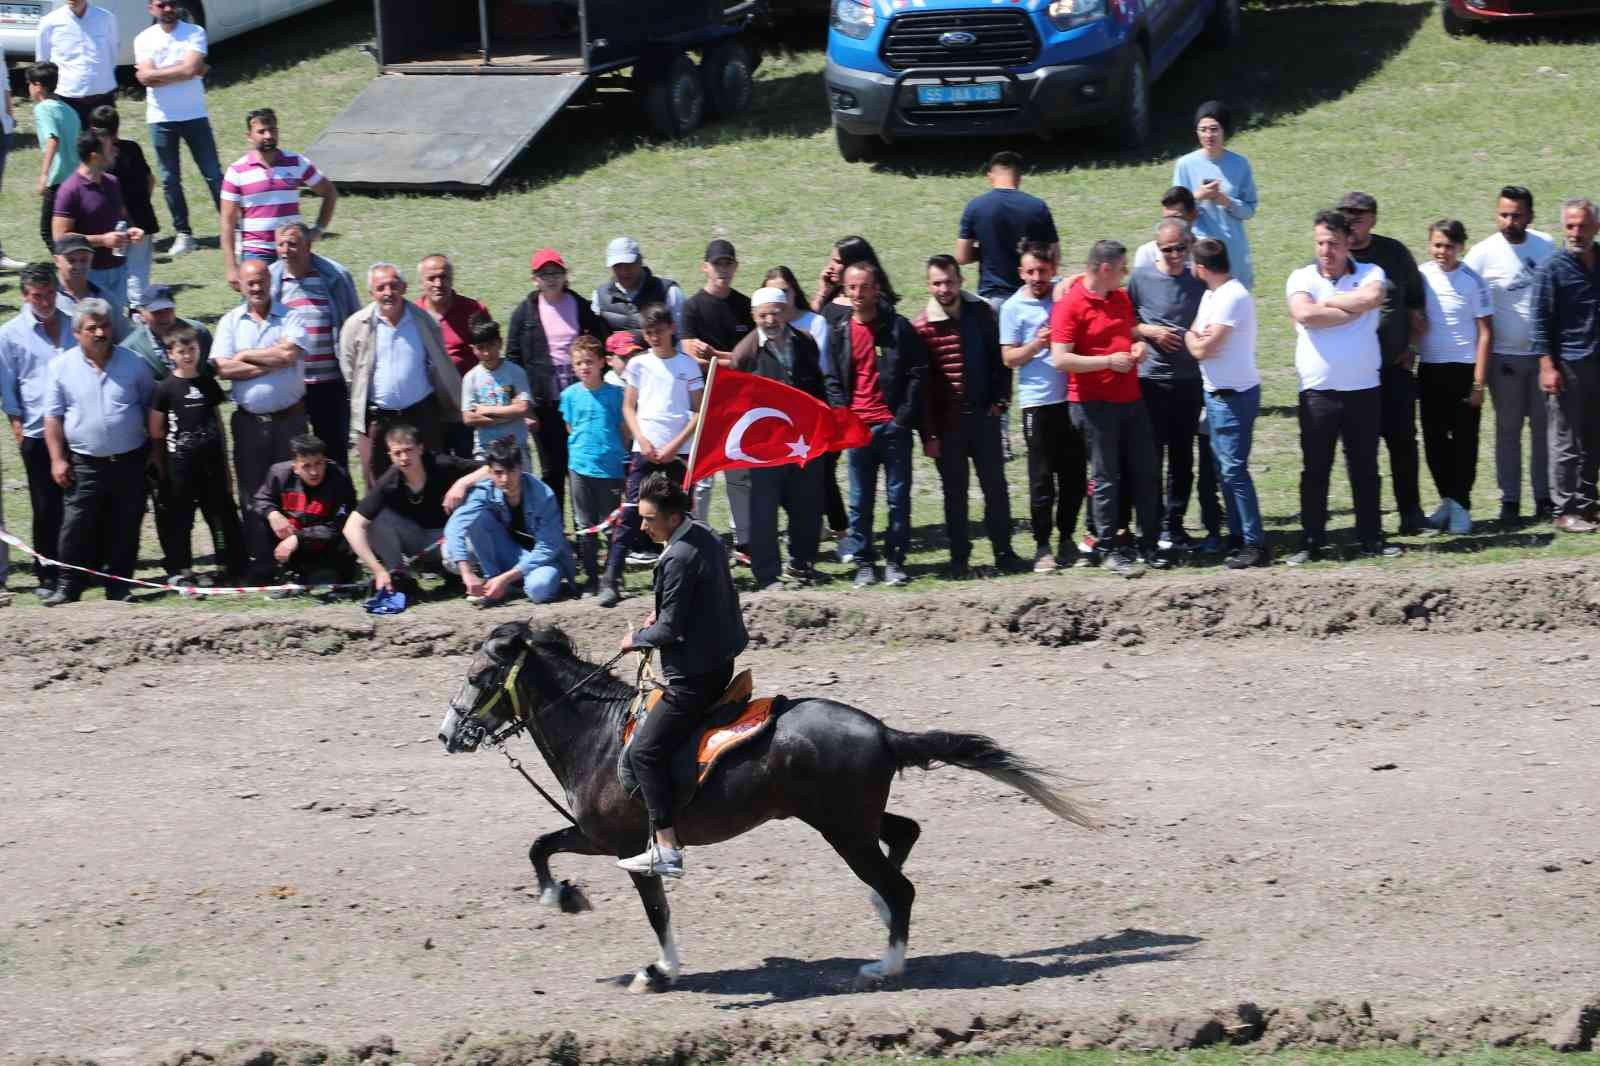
1465, 16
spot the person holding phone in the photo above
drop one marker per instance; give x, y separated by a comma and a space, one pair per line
1224, 187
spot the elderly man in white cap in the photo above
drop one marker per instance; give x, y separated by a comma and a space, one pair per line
775, 349
633, 286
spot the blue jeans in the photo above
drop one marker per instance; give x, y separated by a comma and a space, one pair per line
1232, 417
496, 551
165, 138
890, 448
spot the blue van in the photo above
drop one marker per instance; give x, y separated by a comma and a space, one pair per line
912, 69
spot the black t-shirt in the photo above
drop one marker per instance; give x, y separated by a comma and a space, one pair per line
720, 323
1404, 292
426, 508
190, 406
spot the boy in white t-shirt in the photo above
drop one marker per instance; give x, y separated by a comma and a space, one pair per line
1454, 372
1223, 341
660, 404
170, 62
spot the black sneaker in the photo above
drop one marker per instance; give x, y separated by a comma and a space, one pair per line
1511, 511
958, 570
1122, 564
1012, 563
1308, 554
1543, 510
1412, 525
1247, 557
1157, 561
58, 596
610, 595
1382, 550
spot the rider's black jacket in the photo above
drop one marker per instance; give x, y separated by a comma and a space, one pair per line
699, 626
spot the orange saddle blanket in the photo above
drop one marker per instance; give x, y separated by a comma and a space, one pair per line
734, 719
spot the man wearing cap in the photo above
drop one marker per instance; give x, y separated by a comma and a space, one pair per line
776, 350
715, 319
1400, 328
539, 339
158, 312
392, 355
73, 255
323, 293
633, 286
452, 311
96, 415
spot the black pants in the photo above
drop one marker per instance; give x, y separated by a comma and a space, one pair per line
198, 478
1057, 471
47, 212
1449, 428
550, 440
328, 412
307, 563
1399, 422
1328, 418
798, 491
1211, 512
593, 500
101, 516
423, 416
626, 532
667, 727
46, 498
1122, 456
85, 105
974, 443
1174, 409
832, 498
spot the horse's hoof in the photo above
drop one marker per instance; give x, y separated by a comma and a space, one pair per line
571, 899
650, 979
551, 897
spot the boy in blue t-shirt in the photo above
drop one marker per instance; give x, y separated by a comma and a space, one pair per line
495, 397
596, 451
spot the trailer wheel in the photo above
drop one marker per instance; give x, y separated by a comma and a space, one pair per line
856, 147
727, 69
1454, 24
675, 100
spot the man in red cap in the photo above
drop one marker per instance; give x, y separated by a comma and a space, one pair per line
539, 339
453, 312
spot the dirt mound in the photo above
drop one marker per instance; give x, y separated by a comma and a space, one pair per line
868, 1034
96, 638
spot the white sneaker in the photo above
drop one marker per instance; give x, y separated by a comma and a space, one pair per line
9, 264
1460, 519
655, 861
183, 244
1440, 518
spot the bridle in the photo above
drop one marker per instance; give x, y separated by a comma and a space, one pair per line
518, 721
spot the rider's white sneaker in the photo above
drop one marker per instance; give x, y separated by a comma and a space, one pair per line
655, 861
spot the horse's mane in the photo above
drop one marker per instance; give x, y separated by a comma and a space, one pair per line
569, 665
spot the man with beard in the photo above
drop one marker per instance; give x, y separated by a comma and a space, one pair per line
170, 62
261, 193
1566, 338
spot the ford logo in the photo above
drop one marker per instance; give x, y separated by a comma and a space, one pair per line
958, 39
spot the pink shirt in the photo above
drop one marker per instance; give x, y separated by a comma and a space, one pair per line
269, 197
560, 324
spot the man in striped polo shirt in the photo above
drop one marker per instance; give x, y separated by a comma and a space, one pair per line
261, 192
324, 294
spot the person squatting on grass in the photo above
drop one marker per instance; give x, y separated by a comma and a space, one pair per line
507, 534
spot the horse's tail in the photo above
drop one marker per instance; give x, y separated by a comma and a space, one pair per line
974, 751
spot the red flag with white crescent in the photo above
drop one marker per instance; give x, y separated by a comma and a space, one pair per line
752, 421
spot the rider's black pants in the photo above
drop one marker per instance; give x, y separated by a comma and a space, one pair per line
667, 727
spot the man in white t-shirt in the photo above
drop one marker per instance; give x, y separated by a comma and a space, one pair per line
1508, 262
170, 61
1335, 303
1222, 340
82, 40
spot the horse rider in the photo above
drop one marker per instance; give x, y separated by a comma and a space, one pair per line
698, 630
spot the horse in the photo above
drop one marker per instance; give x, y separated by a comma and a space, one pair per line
826, 763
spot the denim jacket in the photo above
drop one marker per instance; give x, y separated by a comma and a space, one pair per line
541, 517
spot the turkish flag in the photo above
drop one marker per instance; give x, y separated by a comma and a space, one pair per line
750, 421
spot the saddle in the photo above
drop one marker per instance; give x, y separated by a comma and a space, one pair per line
734, 720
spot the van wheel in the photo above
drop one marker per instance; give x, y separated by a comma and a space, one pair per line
1222, 28
675, 99
727, 70
1454, 24
1132, 127
856, 147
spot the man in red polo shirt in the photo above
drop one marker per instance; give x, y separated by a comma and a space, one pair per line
1091, 337
452, 311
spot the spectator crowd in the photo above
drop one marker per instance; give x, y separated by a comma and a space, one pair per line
1135, 373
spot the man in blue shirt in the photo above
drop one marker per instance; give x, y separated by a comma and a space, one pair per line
96, 412
29, 344
1566, 339
994, 224
510, 527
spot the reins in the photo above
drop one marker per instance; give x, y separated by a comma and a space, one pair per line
520, 720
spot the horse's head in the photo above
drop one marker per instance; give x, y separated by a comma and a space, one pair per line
493, 695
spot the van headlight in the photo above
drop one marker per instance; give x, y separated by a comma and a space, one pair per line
1065, 14
853, 18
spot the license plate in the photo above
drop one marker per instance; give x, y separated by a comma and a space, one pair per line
20, 14
937, 95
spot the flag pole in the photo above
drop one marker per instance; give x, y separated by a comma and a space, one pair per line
700, 425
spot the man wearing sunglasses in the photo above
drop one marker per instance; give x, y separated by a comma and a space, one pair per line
170, 62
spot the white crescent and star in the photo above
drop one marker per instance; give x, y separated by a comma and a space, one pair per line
734, 448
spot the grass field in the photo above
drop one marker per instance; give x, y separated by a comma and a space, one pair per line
1334, 96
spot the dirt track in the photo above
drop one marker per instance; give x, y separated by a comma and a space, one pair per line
249, 840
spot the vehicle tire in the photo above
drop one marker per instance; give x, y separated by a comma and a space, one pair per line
727, 70
675, 98
1454, 24
1132, 127
1222, 28
857, 147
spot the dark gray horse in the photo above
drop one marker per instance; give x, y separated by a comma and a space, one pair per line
822, 762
